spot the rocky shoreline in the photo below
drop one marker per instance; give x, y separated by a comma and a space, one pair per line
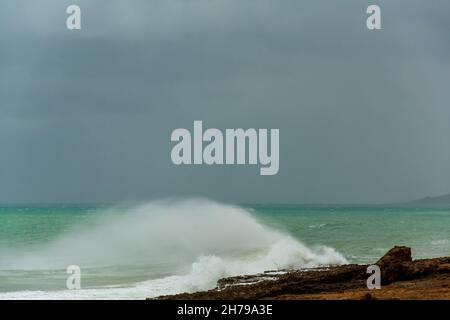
401, 278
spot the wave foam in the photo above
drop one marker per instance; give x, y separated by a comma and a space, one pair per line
207, 240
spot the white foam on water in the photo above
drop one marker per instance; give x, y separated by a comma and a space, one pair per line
440, 242
208, 239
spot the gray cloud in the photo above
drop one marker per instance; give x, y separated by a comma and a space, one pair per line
86, 116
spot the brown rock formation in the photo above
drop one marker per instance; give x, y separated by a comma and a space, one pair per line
401, 277
396, 265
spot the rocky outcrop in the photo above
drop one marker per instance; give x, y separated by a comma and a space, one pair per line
396, 265
400, 275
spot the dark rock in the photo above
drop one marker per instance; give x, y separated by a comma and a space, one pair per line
396, 265
368, 296
396, 255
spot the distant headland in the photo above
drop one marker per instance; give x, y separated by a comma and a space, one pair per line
438, 200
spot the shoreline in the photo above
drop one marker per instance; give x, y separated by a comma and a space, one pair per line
401, 279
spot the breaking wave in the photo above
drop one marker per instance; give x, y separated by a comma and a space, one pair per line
192, 243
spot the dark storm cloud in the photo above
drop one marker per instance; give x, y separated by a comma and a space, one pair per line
86, 116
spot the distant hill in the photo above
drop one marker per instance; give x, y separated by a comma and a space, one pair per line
444, 199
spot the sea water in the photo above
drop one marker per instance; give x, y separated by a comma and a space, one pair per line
172, 246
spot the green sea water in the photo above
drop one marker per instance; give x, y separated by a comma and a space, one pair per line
149, 252
364, 234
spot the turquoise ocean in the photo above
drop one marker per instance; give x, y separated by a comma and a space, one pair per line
172, 246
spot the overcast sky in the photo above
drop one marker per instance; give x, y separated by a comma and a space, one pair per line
86, 116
